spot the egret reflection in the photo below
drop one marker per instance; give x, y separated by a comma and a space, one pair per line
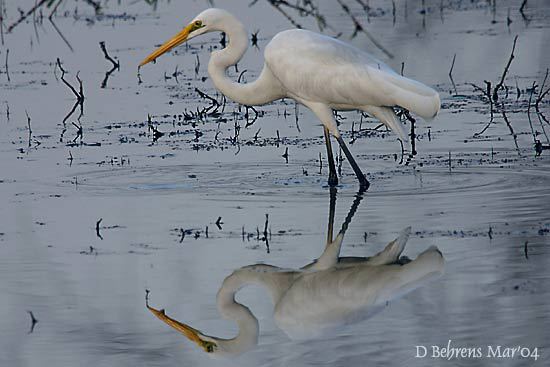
327, 294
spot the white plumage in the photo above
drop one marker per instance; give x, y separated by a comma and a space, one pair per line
317, 71
329, 293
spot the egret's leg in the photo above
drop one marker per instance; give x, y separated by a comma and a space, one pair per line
324, 112
363, 182
332, 177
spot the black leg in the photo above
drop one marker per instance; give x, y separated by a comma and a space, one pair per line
363, 182
332, 177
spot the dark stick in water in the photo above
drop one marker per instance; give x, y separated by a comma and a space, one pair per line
27, 14
499, 85
451, 73
2, 21
7, 69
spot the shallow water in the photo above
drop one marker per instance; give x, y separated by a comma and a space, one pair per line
88, 292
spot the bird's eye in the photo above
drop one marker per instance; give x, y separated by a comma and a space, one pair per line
209, 346
198, 23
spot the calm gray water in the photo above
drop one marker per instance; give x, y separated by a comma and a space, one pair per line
88, 293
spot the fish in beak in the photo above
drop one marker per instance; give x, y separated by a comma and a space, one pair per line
192, 334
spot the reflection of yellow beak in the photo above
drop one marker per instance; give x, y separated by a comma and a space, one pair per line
177, 40
191, 333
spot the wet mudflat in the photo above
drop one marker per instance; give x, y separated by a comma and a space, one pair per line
125, 193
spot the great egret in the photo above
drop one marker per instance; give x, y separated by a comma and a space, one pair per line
318, 71
328, 293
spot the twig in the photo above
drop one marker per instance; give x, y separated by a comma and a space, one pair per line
499, 85
97, 228
542, 93
116, 64
529, 112
265, 232
451, 73
95, 4
7, 68
29, 126
2, 21
521, 9
488, 95
63, 72
34, 321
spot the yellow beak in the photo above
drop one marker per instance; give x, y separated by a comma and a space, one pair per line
191, 333
177, 40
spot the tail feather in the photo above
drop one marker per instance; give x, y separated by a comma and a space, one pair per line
410, 94
389, 118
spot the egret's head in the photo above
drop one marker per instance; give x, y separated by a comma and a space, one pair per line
207, 21
207, 343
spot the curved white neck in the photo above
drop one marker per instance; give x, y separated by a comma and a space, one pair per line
263, 90
248, 325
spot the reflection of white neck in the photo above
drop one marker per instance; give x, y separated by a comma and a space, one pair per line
272, 278
260, 91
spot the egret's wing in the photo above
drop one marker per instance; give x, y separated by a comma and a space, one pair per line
321, 69
320, 300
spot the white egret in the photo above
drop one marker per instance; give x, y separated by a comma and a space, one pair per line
324, 295
318, 71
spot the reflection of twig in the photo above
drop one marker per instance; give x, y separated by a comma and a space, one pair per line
360, 28
50, 18
79, 95
285, 14
514, 135
27, 14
